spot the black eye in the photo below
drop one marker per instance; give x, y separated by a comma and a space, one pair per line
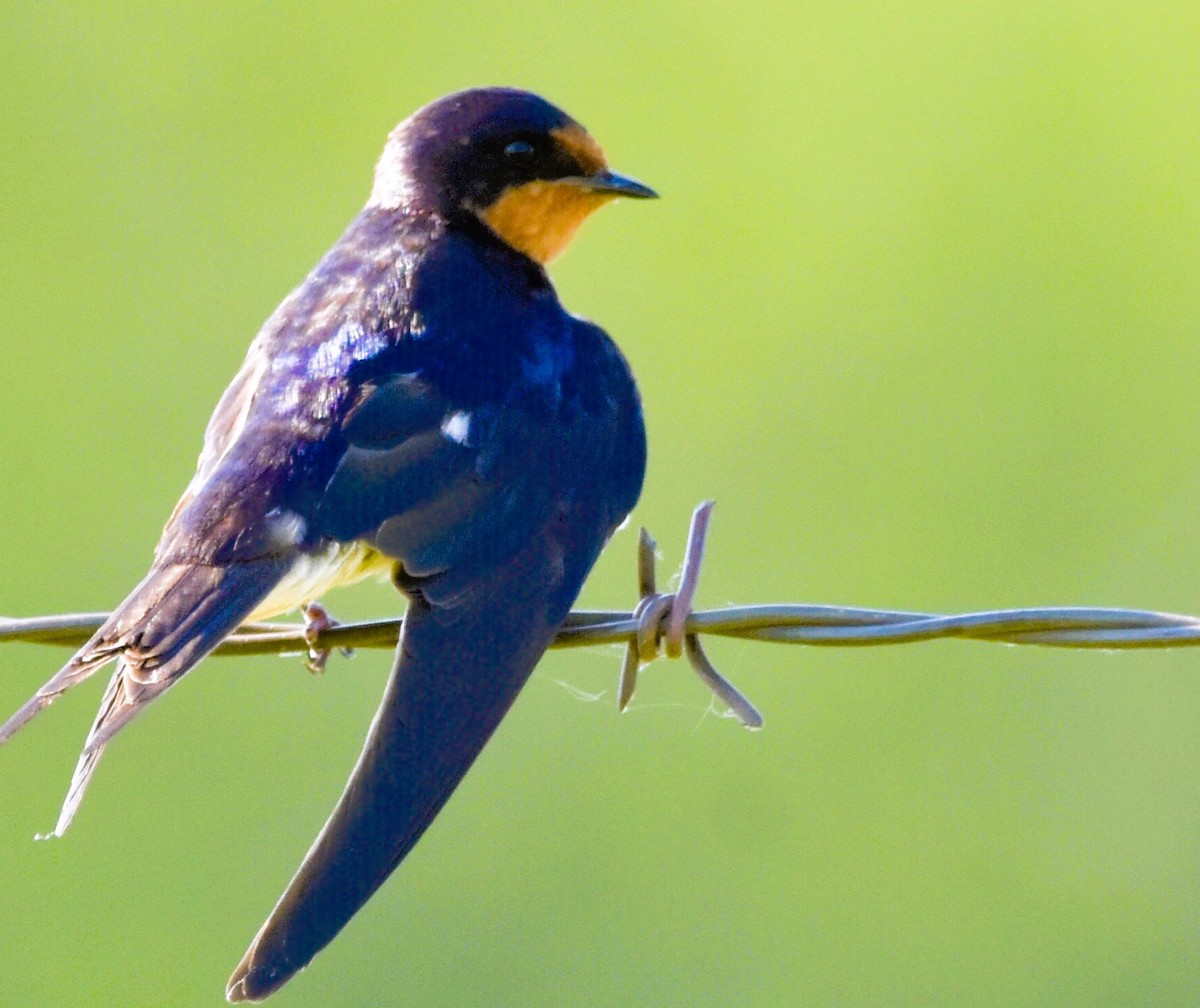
519, 150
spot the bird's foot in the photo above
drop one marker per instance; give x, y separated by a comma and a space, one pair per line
316, 622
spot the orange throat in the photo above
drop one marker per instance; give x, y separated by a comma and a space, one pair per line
540, 218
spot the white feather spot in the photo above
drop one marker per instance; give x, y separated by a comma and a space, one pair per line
287, 527
457, 427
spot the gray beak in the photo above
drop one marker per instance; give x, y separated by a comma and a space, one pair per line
618, 185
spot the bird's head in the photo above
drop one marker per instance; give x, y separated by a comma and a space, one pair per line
524, 168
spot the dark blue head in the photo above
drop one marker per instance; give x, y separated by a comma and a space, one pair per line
508, 157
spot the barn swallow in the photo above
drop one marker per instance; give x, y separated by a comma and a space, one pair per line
421, 406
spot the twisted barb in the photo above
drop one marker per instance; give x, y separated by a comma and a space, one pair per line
662, 620
666, 622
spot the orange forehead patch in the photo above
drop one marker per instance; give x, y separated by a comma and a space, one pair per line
579, 143
540, 218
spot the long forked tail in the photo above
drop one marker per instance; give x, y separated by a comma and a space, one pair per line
172, 619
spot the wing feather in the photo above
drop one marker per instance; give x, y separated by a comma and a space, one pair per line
458, 669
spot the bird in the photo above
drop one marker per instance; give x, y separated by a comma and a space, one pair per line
420, 407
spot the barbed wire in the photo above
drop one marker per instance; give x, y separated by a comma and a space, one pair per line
664, 623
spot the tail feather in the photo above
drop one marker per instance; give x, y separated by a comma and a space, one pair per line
79, 668
88, 759
169, 622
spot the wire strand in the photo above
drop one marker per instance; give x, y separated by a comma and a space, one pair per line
666, 623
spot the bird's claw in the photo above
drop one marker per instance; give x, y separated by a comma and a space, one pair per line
316, 622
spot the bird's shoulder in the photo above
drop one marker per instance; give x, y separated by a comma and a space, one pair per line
351, 308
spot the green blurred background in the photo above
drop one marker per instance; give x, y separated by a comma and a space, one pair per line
919, 308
